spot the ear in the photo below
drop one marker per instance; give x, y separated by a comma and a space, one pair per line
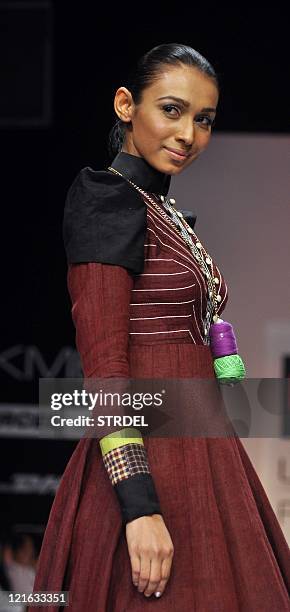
123, 104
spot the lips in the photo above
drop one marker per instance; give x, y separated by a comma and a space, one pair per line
179, 152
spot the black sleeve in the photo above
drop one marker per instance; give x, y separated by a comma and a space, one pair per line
104, 221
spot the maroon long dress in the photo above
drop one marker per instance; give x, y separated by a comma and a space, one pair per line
230, 554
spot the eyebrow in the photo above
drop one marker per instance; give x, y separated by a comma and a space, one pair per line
207, 109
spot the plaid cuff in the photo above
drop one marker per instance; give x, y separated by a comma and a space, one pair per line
126, 461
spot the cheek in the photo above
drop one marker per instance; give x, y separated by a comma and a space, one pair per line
153, 127
203, 140
160, 126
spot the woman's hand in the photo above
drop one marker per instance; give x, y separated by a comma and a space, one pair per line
151, 552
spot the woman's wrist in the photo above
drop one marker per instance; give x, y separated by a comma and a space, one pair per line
147, 516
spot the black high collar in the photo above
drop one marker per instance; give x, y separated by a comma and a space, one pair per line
140, 172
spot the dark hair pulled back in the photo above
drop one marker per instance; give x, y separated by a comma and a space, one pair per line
147, 71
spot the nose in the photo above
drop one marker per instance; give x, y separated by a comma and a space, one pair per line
186, 132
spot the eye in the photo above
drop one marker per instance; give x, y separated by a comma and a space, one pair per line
209, 121
167, 108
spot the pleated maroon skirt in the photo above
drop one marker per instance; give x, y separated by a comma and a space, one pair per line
230, 554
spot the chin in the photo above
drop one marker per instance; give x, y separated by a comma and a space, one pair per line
172, 169
166, 168
176, 169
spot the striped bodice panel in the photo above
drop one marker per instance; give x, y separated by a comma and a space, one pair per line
169, 297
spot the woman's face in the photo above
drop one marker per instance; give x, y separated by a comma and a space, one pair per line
161, 122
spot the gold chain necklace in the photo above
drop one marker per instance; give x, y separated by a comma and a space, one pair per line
183, 229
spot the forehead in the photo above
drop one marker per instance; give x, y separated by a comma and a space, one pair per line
185, 82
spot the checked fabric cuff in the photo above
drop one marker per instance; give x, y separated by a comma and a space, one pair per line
126, 462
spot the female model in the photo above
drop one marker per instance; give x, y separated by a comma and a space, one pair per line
169, 524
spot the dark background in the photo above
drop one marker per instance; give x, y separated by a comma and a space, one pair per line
60, 64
